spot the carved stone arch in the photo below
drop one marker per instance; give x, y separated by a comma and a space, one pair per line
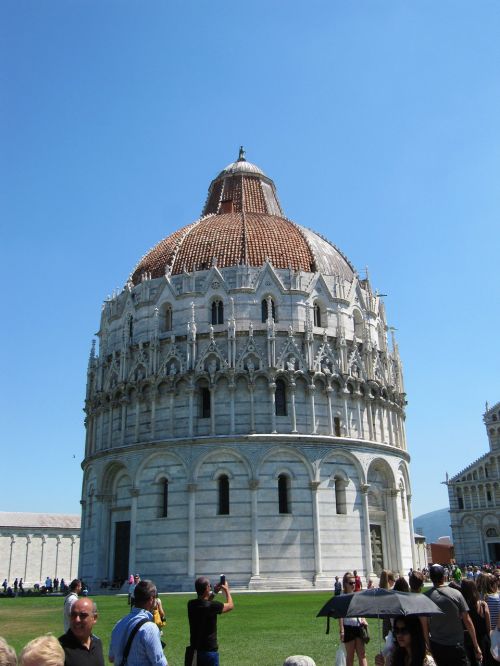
286, 471
158, 454
381, 467
469, 522
109, 474
289, 452
222, 471
207, 455
489, 520
349, 457
405, 475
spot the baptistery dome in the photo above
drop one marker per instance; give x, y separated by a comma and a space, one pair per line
242, 223
244, 409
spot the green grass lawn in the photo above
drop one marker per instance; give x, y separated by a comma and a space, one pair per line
263, 629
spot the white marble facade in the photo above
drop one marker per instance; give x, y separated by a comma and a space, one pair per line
474, 495
36, 545
246, 420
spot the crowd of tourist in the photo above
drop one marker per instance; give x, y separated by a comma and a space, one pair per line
459, 636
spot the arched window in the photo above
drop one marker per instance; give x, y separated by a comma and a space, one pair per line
265, 308
336, 425
168, 317
205, 403
164, 498
130, 326
280, 398
217, 312
358, 324
340, 495
223, 482
317, 315
460, 502
284, 493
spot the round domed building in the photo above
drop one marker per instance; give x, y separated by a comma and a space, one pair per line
244, 412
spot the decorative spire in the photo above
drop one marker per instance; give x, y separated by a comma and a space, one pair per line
241, 156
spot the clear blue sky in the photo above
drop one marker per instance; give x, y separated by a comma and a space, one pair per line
379, 122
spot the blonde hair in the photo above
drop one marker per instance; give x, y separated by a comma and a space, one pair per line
42, 651
7, 654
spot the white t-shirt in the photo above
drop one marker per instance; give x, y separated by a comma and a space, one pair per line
68, 603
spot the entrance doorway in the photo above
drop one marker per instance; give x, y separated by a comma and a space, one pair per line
122, 546
494, 552
377, 549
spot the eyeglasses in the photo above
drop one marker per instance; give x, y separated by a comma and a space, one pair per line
400, 630
83, 616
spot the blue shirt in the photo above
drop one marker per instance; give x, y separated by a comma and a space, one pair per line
146, 646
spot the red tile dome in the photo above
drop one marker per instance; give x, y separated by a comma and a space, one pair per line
242, 223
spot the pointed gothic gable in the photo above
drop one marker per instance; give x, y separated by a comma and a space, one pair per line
326, 359
288, 350
208, 355
318, 288
268, 278
355, 366
166, 291
251, 351
215, 282
173, 361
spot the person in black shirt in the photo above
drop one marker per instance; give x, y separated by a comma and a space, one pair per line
202, 614
81, 647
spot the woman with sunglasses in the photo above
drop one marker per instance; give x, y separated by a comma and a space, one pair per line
350, 628
409, 645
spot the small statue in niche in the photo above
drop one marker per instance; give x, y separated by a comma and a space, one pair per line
212, 369
250, 366
173, 369
290, 364
325, 368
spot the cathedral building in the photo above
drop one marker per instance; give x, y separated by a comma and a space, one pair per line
245, 413
475, 501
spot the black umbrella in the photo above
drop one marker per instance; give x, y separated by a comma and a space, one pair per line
380, 603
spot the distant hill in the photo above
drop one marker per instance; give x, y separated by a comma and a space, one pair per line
433, 525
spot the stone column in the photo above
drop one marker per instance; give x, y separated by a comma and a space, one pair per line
171, 409
110, 425
293, 412
124, 402
153, 413
73, 541
43, 540
393, 495
12, 542
254, 487
272, 403
28, 541
190, 393
252, 408
134, 493
191, 488
346, 418
381, 419
58, 543
212, 410
312, 388
137, 412
319, 576
102, 531
232, 388
412, 532
389, 426
365, 487
101, 438
360, 418
373, 434
329, 392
